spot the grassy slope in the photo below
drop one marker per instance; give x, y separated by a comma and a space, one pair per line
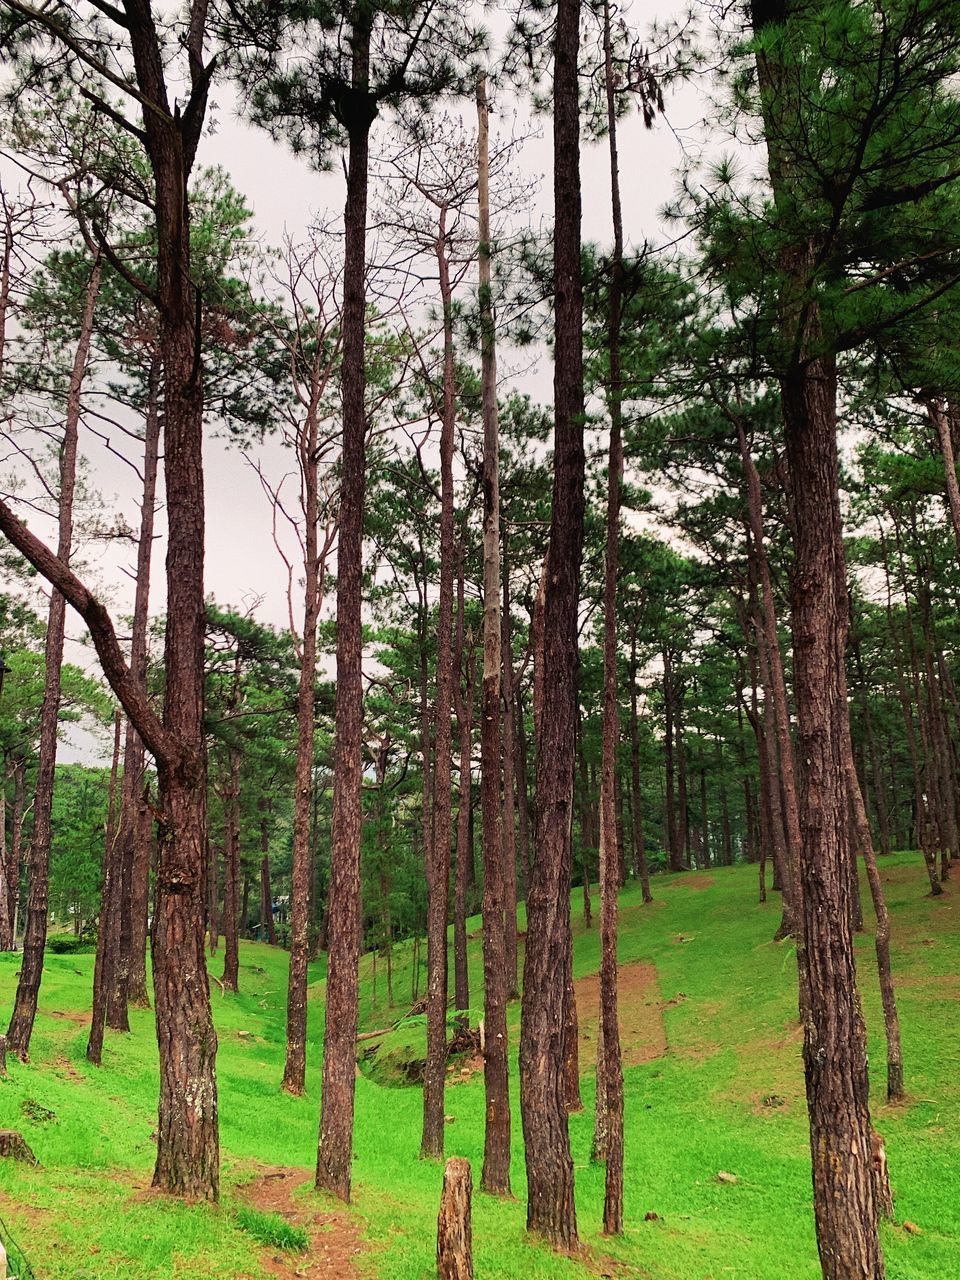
733, 1042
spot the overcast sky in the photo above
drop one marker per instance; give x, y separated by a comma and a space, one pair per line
286, 196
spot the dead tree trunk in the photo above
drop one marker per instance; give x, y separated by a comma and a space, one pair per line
454, 1225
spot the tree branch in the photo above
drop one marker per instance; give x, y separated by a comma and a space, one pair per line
165, 748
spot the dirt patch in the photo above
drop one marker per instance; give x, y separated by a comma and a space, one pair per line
72, 1015
696, 880
642, 1037
335, 1243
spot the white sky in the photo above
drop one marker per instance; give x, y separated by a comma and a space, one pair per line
286, 197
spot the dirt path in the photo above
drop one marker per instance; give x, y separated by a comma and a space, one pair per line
335, 1242
642, 1037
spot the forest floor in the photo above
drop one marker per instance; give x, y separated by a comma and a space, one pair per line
714, 1086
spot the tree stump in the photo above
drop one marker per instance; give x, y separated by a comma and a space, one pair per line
13, 1146
454, 1230
881, 1175
3, 1057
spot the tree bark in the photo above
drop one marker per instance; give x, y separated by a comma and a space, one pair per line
495, 1177
335, 1146
636, 804
509, 790
454, 1227
609, 854
543, 1102
891, 1019
231, 871
295, 1059
35, 934
464, 708
438, 855
106, 940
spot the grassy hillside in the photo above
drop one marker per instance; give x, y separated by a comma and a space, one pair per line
717, 1086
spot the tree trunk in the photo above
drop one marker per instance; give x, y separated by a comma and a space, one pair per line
464, 703
543, 1102
778, 689
106, 938
454, 1229
130, 974
495, 1177
636, 804
35, 934
834, 1035
295, 1058
438, 857
339, 1045
231, 873
891, 1020
941, 420
509, 790
187, 1135
609, 859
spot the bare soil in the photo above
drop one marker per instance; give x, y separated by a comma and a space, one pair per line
642, 1036
335, 1242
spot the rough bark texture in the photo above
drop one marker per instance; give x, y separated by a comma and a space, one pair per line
550, 1204
295, 1062
438, 858
104, 960
509, 790
786, 776
609, 854
134, 837
35, 934
864, 841
496, 1145
834, 1048
231, 872
335, 1147
465, 701
454, 1223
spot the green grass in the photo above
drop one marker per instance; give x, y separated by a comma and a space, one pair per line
733, 1042
272, 1230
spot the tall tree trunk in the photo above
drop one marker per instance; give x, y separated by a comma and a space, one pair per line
835, 1054
543, 1102
496, 1146
609, 859
891, 1019
438, 855
464, 706
130, 977
778, 689
943, 422
231, 873
509, 790
674, 853
16, 841
295, 1057
335, 1146
187, 1132
636, 799
105, 942
523, 799
35, 934
268, 929
213, 897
